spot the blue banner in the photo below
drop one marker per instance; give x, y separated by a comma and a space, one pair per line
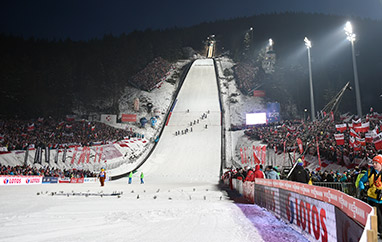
273, 112
46, 180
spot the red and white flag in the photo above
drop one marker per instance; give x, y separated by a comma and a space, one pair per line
353, 133
378, 141
69, 126
31, 127
357, 122
364, 127
341, 127
361, 141
368, 137
340, 139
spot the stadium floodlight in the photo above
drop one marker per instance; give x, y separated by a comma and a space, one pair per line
308, 45
351, 37
349, 32
270, 42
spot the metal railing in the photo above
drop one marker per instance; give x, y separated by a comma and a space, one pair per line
345, 187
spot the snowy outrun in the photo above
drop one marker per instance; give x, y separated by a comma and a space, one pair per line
179, 201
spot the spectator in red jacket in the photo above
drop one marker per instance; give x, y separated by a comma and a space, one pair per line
258, 172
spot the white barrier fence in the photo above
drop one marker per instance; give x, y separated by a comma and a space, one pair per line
319, 213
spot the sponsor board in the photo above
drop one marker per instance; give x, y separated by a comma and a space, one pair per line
128, 118
90, 179
354, 208
20, 180
64, 180
77, 180
46, 180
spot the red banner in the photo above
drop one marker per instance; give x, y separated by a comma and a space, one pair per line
259, 93
128, 118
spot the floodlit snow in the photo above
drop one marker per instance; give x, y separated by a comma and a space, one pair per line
179, 201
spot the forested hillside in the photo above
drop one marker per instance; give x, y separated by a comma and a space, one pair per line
52, 77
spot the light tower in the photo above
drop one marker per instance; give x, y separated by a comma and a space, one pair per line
308, 45
351, 37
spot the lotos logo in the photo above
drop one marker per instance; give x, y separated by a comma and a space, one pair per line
28, 180
308, 217
6, 181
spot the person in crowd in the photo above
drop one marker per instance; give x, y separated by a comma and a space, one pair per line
258, 173
299, 174
250, 175
102, 177
270, 173
374, 191
360, 175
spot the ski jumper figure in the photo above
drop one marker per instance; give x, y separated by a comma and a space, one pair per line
142, 178
102, 177
130, 177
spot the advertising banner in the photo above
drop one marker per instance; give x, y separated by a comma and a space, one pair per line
128, 118
46, 180
249, 191
108, 118
20, 180
77, 180
64, 180
90, 179
273, 112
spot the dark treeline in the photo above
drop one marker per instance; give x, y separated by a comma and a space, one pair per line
52, 77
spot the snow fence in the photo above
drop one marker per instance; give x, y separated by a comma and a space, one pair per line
318, 213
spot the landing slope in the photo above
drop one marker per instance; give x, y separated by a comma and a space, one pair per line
193, 156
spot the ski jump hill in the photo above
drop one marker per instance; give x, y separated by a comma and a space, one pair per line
189, 148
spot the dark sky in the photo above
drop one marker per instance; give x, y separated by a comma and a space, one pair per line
84, 19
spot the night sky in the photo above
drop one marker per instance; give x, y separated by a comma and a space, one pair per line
85, 19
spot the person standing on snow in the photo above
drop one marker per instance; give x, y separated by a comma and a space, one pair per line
130, 177
102, 177
142, 177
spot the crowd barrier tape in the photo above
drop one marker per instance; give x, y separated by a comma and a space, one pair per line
319, 213
20, 180
46, 180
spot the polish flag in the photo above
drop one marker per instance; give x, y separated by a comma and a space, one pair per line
368, 137
364, 127
361, 141
357, 122
353, 133
31, 127
378, 141
340, 139
341, 127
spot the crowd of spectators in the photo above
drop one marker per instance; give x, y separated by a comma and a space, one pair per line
44, 171
283, 136
153, 74
19, 134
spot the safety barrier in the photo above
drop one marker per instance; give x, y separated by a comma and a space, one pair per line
319, 213
346, 187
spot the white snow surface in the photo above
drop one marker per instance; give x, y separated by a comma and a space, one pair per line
179, 201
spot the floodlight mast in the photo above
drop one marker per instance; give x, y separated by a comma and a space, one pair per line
308, 45
352, 37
